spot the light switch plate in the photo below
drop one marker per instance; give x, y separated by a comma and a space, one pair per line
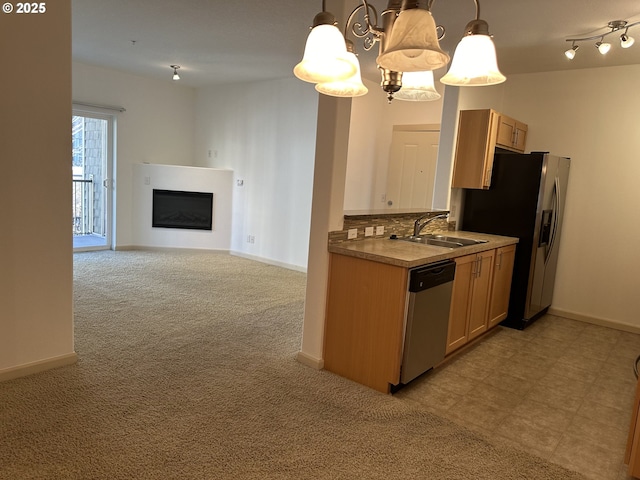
368, 232
352, 234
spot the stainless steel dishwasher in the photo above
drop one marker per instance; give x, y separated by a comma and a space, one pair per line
425, 340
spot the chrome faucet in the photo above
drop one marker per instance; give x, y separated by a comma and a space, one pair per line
417, 226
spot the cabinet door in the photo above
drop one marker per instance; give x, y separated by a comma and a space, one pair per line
479, 309
364, 321
475, 147
459, 313
521, 136
501, 289
506, 132
512, 134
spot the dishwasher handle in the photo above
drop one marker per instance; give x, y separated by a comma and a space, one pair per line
432, 275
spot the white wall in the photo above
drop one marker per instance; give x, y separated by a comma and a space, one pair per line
193, 179
372, 121
265, 132
157, 127
36, 304
591, 116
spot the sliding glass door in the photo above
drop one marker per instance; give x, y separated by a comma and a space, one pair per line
92, 166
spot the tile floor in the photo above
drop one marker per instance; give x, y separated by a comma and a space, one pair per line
560, 389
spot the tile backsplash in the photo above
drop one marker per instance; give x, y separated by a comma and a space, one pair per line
400, 224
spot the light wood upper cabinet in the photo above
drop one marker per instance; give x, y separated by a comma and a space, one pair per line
479, 133
501, 287
512, 134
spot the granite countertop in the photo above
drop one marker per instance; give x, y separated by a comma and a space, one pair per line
409, 255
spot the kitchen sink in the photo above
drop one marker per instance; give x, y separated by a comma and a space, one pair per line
443, 240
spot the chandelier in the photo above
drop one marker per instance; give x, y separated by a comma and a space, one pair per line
409, 52
603, 47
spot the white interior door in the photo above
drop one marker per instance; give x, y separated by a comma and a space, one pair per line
412, 168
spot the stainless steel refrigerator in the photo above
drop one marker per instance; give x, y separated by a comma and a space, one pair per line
526, 200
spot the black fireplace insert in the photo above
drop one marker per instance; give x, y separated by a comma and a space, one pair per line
177, 209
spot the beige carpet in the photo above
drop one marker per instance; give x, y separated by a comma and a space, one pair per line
187, 370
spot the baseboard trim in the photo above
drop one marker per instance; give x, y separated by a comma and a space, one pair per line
37, 367
310, 361
269, 261
141, 248
603, 322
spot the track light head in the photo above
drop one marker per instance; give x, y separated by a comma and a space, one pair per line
603, 47
626, 41
571, 53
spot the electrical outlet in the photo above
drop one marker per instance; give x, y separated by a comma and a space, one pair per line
368, 232
352, 233
383, 197
239, 182
380, 230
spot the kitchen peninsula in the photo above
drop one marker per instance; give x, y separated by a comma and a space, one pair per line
367, 300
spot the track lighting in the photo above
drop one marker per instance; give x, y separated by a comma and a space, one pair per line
175, 72
603, 47
409, 43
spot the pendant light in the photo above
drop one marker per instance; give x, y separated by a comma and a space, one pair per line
175, 72
408, 39
413, 45
349, 87
325, 53
417, 87
474, 61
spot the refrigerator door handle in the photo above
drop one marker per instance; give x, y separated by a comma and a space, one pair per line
556, 212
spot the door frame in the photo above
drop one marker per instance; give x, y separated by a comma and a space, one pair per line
110, 169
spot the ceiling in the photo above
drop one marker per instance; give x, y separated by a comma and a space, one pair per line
220, 42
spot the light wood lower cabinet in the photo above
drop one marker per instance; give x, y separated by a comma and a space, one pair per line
366, 308
364, 325
632, 453
470, 298
501, 285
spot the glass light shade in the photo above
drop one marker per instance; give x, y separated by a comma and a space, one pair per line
413, 44
417, 87
474, 63
626, 41
571, 53
324, 57
603, 48
351, 87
